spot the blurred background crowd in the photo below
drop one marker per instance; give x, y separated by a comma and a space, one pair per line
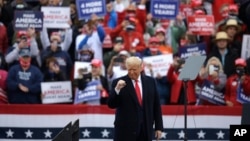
30, 57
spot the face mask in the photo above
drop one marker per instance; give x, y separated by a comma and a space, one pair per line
85, 57
25, 63
240, 71
183, 42
130, 28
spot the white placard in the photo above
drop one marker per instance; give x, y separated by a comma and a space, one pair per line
56, 17
160, 64
56, 92
245, 51
84, 68
81, 67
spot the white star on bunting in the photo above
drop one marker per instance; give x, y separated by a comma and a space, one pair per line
201, 134
163, 135
220, 135
47, 134
9, 133
181, 134
28, 134
105, 133
86, 133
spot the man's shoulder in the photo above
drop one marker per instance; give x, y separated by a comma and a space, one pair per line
147, 78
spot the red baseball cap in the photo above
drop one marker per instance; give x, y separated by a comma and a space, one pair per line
199, 12
195, 3
153, 40
240, 62
96, 62
21, 34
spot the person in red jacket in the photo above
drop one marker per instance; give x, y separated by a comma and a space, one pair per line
138, 13
133, 40
177, 90
238, 84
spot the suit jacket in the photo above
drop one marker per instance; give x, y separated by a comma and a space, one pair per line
128, 110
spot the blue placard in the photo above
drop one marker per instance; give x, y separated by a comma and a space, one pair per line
89, 93
241, 97
25, 19
164, 9
208, 93
191, 50
85, 8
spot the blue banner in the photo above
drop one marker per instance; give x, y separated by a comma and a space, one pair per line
241, 97
164, 9
85, 8
208, 93
25, 19
191, 50
89, 93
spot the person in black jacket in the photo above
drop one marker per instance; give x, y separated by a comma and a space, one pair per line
224, 53
53, 72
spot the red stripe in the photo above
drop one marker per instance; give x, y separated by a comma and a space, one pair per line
79, 109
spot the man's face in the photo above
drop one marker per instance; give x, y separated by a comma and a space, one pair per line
134, 71
160, 36
231, 31
222, 44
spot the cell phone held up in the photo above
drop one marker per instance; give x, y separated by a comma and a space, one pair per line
212, 69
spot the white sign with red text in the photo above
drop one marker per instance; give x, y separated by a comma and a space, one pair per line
56, 17
157, 65
56, 92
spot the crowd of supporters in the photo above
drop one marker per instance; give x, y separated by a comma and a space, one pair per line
29, 57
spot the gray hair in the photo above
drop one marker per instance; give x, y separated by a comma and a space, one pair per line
133, 60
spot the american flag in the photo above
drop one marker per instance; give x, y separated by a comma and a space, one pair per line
44, 122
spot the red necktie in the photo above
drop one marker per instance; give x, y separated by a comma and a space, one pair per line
138, 92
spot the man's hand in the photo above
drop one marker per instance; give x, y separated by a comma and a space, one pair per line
23, 88
158, 135
120, 84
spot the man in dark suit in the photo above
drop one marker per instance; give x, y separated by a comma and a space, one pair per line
137, 104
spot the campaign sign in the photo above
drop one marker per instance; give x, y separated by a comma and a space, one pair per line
186, 10
56, 17
208, 93
164, 9
159, 64
201, 24
245, 52
56, 92
85, 8
25, 19
193, 49
241, 96
89, 93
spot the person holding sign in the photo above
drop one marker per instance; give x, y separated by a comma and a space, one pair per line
211, 77
238, 85
161, 80
136, 100
23, 81
95, 75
